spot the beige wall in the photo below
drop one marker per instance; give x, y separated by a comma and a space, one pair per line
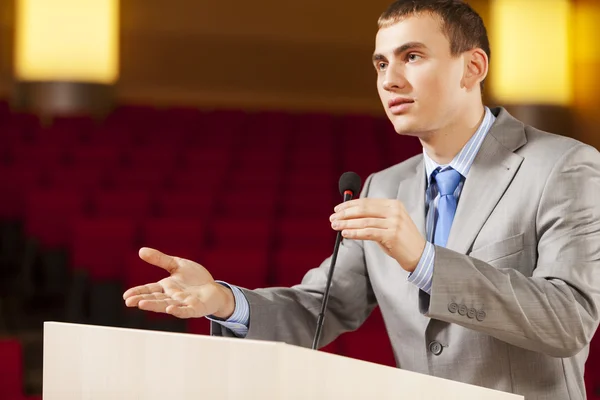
6, 45
312, 54
263, 53
587, 71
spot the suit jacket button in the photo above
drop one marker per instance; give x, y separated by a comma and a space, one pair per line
452, 307
471, 313
480, 315
436, 348
462, 309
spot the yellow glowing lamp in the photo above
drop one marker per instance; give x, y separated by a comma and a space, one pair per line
531, 56
586, 20
67, 40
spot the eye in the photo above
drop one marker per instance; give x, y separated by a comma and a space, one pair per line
412, 57
380, 66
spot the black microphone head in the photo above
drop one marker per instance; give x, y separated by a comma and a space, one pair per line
349, 181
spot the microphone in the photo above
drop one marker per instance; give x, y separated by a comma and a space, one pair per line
349, 185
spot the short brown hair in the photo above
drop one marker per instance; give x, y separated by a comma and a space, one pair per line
462, 26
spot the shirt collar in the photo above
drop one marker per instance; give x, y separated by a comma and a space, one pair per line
464, 159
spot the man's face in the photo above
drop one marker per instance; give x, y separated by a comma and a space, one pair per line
418, 81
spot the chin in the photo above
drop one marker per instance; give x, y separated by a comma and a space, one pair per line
404, 125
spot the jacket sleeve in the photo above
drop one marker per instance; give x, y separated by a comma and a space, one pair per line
289, 314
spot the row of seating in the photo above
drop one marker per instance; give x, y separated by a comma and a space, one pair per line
246, 194
11, 371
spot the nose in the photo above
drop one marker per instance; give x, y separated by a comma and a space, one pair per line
393, 80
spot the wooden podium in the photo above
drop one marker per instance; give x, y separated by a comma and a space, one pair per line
93, 362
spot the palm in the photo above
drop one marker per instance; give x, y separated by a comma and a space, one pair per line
189, 291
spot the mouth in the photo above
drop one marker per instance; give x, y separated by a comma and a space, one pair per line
400, 105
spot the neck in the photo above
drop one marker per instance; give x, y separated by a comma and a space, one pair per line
444, 144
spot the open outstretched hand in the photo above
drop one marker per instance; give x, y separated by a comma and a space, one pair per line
189, 292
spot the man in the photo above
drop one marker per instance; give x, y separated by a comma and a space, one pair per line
483, 252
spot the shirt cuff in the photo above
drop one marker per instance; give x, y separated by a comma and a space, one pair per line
422, 276
239, 321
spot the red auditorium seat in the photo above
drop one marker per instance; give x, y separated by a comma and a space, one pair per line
81, 178
107, 135
218, 128
184, 204
100, 246
369, 343
198, 326
135, 204
26, 122
11, 369
106, 156
592, 369
152, 157
291, 265
98, 255
398, 148
364, 166
310, 182
12, 136
313, 123
308, 234
247, 268
81, 123
48, 215
204, 181
311, 160
204, 159
243, 203
142, 179
15, 181
357, 125
133, 116
183, 118
46, 156
169, 135
58, 135
183, 237
248, 181
313, 205
243, 232
261, 158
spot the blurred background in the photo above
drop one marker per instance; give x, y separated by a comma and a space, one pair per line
217, 131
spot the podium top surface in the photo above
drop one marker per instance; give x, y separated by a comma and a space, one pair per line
95, 362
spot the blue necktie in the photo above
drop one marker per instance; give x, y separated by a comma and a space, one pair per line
447, 181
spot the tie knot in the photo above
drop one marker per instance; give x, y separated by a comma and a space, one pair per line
447, 181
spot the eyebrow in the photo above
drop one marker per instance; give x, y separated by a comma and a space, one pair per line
399, 50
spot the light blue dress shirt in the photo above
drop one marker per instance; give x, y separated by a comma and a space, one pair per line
423, 274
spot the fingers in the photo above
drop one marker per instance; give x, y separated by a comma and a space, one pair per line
362, 208
360, 223
155, 257
144, 289
189, 306
179, 304
374, 234
157, 305
133, 301
181, 311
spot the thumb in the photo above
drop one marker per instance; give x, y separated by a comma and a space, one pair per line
155, 257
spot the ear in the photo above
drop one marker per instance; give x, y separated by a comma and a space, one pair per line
476, 68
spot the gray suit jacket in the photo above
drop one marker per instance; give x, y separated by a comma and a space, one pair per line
515, 293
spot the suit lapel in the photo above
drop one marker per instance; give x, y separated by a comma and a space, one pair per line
411, 192
490, 175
